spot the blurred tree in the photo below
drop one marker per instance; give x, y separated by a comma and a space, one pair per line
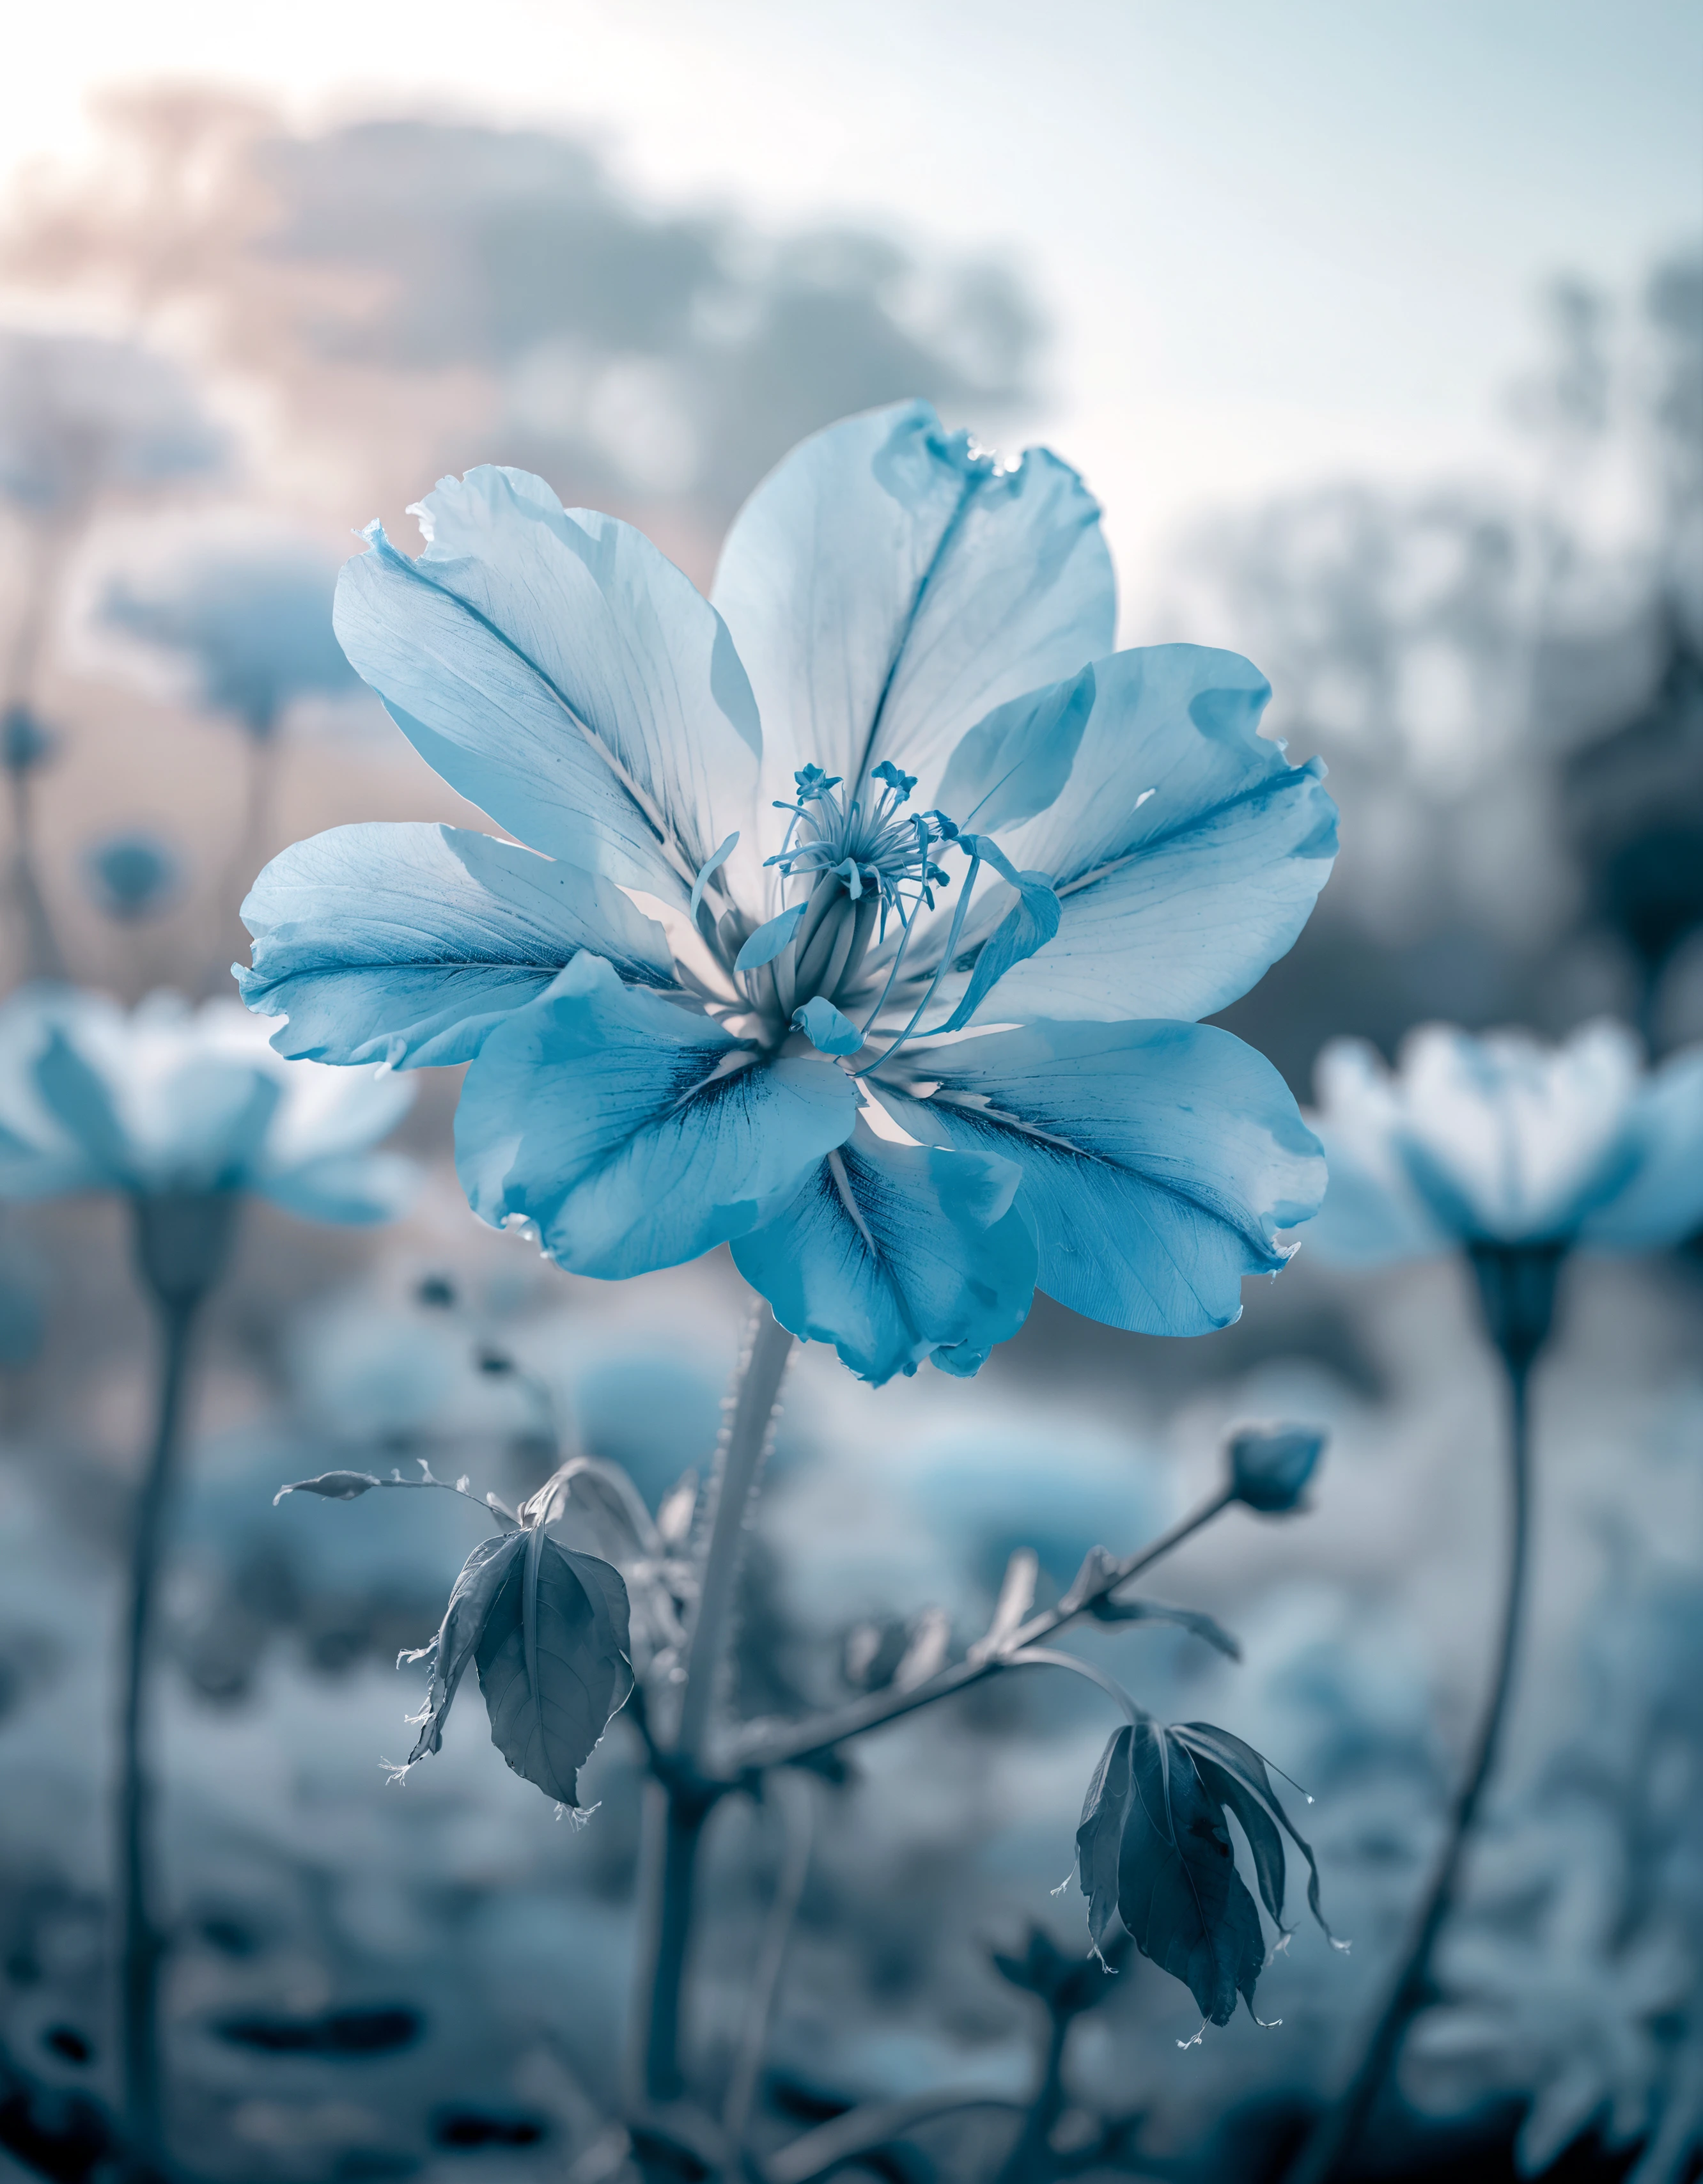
416, 293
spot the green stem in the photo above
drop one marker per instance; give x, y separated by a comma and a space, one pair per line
682, 1798
1325, 2156
142, 1941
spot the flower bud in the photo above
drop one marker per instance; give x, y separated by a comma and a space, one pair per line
1270, 1466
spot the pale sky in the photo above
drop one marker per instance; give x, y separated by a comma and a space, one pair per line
1278, 239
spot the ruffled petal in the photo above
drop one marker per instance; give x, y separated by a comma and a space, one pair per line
635, 1133
893, 1252
888, 586
1186, 851
1662, 1199
406, 943
561, 674
1158, 1160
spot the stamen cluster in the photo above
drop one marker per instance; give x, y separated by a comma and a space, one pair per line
862, 862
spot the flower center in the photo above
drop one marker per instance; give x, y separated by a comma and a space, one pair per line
862, 861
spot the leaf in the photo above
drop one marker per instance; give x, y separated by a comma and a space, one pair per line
1099, 1834
1099, 1569
767, 943
553, 1662
597, 1504
1237, 1774
335, 1485
1178, 1891
483, 1577
1199, 1626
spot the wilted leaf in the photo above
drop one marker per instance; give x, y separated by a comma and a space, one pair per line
335, 1485
1178, 1891
553, 1663
1236, 1773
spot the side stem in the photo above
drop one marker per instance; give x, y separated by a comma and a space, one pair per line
141, 1943
1325, 2156
681, 1799
765, 1746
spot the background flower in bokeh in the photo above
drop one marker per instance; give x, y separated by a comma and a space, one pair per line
1501, 1140
169, 1098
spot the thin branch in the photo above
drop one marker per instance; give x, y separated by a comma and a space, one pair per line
794, 1799
761, 1746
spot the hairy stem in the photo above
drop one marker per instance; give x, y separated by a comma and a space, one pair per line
140, 1944
807, 1740
1325, 2156
681, 1799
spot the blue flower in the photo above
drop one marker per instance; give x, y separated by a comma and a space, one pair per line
255, 621
866, 914
1500, 1140
168, 1101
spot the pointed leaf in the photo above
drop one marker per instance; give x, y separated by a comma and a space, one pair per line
553, 1662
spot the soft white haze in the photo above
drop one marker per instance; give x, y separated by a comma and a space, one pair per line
1276, 241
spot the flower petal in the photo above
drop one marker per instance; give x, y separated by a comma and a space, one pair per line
893, 1251
562, 674
887, 588
406, 943
1158, 1160
1373, 1215
1186, 851
1661, 1201
612, 1119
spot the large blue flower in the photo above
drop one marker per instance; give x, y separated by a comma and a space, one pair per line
908, 1012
